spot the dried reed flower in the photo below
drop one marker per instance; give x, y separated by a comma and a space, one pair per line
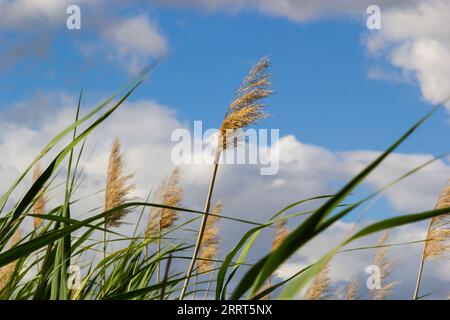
386, 267
170, 193
281, 232
437, 240
210, 244
7, 271
41, 201
246, 107
320, 287
117, 186
351, 292
244, 110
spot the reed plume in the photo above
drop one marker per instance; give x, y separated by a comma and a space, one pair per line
351, 292
437, 239
210, 243
245, 109
41, 201
281, 232
7, 271
386, 266
320, 287
169, 193
118, 187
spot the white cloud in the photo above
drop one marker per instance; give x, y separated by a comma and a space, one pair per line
135, 40
19, 13
417, 40
131, 41
414, 37
305, 170
296, 10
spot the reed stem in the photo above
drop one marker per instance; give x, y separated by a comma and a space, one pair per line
203, 224
422, 262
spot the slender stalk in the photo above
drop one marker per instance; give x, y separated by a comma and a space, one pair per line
104, 255
158, 268
209, 283
422, 262
203, 224
245, 109
195, 286
166, 277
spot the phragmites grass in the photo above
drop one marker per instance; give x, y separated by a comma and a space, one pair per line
437, 239
320, 286
210, 244
7, 271
245, 109
351, 292
281, 232
385, 266
41, 201
118, 186
169, 193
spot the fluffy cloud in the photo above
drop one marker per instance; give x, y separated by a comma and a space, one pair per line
135, 41
417, 40
414, 38
296, 10
132, 40
26, 13
305, 170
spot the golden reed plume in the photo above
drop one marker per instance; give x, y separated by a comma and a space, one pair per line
7, 271
245, 109
438, 235
41, 201
320, 287
386, 267
210, 243
351, 292
281, 232
117, 187
437, 240
169, 193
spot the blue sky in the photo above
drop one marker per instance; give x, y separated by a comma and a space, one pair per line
323, 93
343, 93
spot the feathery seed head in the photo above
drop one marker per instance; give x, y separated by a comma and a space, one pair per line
386, 266
210, 243
281, 232
117, 186
7, 271
246, 107
351, 293
437, 240
40, 201
170, 193
320, 286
